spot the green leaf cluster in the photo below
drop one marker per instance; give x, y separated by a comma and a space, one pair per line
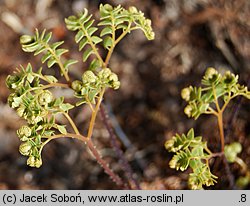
38, 107
216, 88
232, 150
52, 54
191, 152
111, 20
231, 153
92, 84
115, 18
83, 24
243, 181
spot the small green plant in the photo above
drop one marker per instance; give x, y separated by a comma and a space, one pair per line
31, 94
212, 97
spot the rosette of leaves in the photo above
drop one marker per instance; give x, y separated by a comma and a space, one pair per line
191, 151
36, 104
215, 93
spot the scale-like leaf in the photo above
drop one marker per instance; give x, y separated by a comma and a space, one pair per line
58, 101
56, 45
95, 64
107, 43
69, 62
79, 36
105, 23
89, 23
62, 129
51, 62
96, 39
91, 31
105, 31
39, 50
46, 57
30, 78
50, 78
83, 43
86, 54
180, 160
60, 52
66, 107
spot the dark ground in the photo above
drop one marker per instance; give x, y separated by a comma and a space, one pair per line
190, 36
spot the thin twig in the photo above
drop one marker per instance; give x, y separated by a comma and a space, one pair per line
71, 123
229, 173
94, 114
125, 165
123, 137
105, 166
220, 120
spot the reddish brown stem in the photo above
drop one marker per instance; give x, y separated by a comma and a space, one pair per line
124, 163
105, 166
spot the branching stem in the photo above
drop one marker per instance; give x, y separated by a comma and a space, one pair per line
55, 85
115, 42
219, 115
124, 163
57, 136
94, 114
71, 123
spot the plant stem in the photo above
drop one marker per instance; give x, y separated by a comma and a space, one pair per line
45, 87
242, 164
94, 114
221, 129
228, 173
57, 136
125, 165
71, 135
55, 85
71, 123
93, 149
105, 166
216, 100
219, 115
218, 154
211, 111
115, 42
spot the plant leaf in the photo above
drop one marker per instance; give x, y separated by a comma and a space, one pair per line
62, 129
86, 54
105, 31
108, 42
66, 106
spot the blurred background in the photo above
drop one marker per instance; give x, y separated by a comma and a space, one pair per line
191, 35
